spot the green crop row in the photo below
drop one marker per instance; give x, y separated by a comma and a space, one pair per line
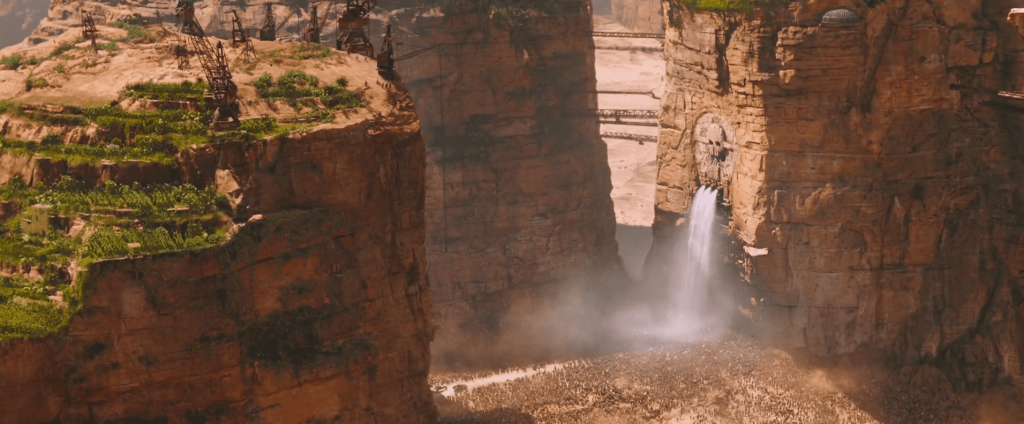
72, 196
165, 91
32, 320
80, 153
107, 243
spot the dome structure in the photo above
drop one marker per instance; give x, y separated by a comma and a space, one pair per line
840, 16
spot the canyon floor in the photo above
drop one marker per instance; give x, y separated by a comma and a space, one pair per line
732, 379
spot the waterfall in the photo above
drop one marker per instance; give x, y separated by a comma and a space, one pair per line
683, 301
690, 288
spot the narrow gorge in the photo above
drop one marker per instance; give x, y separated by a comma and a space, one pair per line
512, 211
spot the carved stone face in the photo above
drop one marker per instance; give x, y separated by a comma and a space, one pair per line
713, 145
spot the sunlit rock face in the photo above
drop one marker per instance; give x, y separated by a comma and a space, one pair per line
518, 185
316, 310
876, 208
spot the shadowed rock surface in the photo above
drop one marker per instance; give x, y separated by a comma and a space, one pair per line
518, 187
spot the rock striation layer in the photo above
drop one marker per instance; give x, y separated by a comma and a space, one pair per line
518, 184
874, 207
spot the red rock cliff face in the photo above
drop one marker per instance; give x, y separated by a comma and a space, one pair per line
518, 188
877, 208
317, 310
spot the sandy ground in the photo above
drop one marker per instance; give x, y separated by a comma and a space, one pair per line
732, 379
82, 77
633, 165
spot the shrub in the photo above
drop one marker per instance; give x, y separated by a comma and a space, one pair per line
299, 89
263, 82
13, 62
31, 83
136, 34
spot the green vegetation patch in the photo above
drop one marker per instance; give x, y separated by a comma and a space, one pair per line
136, 34
151, 135
15, 61
301, 89
85, 224
31, 83
81, 153
165, 91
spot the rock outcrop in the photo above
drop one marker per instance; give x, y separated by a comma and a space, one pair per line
518, 184
876, 207
317, 308
639, 15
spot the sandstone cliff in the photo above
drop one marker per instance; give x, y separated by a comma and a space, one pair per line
317, 308
876, 208
517, 183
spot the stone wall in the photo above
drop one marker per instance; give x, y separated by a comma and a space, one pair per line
518, 186
317, 309
876, 207
639, 15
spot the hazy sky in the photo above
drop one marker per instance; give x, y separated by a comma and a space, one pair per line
18, 18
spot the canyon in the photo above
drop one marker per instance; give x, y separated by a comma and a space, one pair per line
870, 208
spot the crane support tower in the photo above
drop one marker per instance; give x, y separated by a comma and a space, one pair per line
89, 31
386, 57
268, 32
224, 92
239, 36
312, 32
353, 27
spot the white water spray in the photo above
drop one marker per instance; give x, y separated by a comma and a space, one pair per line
690, 290
685, 304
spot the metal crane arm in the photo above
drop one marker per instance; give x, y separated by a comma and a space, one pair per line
286, 18
323, 19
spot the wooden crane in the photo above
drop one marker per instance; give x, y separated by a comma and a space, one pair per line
215, 65
353, 26
240, 36
312, 32
89, 30
268, 31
